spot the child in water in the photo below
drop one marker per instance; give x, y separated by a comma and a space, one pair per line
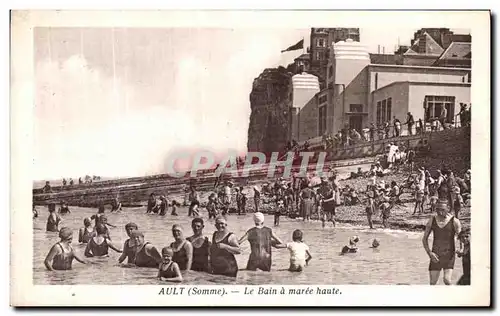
168, 269
277, 212
61, 255
86, 233
99, 245
464, 253
352, 248
174, 208
299, 252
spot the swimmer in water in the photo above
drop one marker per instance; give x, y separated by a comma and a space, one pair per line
61, 255
352, 248
86, 233
99, 245
375, 243
64, 209
299, 252
129, 247
168, 269
174, 208
261, 239
53, 220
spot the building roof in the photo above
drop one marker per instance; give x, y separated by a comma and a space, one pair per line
464, 38
425, 83
385, 59
419, 67
457, 50
431, 47
303, 56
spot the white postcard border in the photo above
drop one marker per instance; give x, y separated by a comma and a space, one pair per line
24, 293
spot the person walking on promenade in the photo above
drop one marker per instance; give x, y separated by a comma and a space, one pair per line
442, 117
410, 121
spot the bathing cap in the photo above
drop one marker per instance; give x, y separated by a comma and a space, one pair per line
131, 225
86, 221
100, 229
177, 227
167, 250
136, 233
442, 204
65, 233
353, 240
258, 218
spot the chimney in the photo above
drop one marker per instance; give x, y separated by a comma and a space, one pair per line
383, 50
378, 51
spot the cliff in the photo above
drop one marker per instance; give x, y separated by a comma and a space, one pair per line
270, 101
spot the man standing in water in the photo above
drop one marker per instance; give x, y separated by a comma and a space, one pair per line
261, 239
445, 228
146, 254
327, 198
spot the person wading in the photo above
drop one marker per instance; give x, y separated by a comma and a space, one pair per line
146, 254
327, 198
256, 198
53, 220
261, 239
99, 245
87, 232
61, 255
306, 195
129, 247
445, 228
201, 246
183, 250
224, 247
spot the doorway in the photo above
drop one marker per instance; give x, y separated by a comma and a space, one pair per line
356, 122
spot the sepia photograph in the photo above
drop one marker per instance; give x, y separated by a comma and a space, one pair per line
245, 160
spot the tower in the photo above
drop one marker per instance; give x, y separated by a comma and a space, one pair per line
321, 42
348, 59
304, 88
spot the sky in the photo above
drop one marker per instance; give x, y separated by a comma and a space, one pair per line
119, 110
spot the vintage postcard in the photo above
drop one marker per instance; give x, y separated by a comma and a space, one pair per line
250, 158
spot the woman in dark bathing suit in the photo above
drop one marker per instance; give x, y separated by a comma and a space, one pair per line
146, 254
183, 250
99, 245
61, 255
260, 238
201, 247
53, 220
224, 247
444, 227
129, 247
86, 233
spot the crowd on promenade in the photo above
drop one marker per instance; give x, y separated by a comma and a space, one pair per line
389, 129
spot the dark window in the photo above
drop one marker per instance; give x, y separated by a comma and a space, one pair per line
379, 113
322, 99
376, 81
384, 109
356, 108
389, 108
322, 120
433, 105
